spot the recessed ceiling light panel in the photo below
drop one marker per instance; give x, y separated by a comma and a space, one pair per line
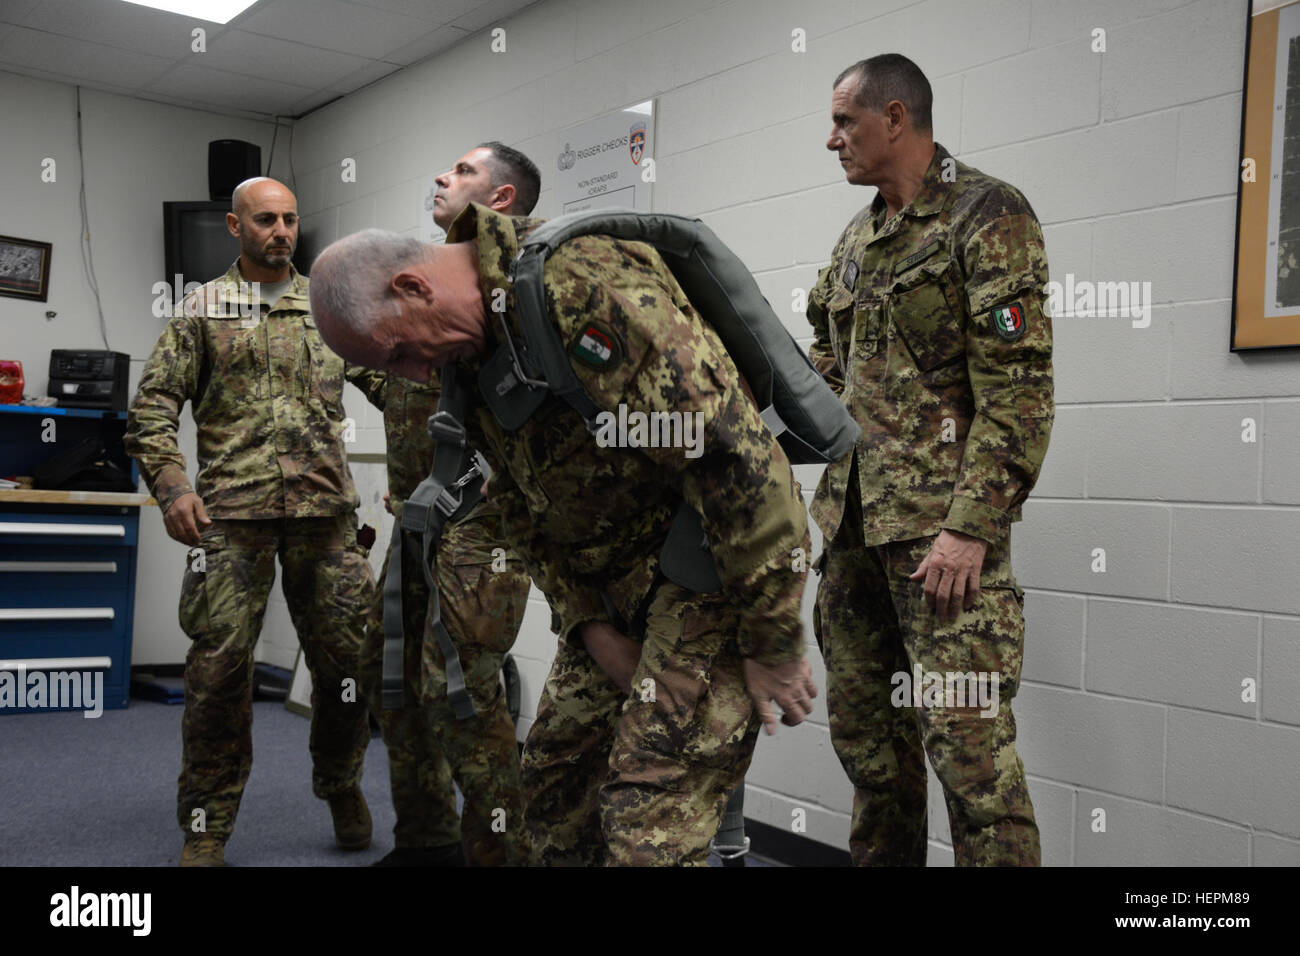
216, 11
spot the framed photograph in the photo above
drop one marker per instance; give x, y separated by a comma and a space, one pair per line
24, 268
299, 699
1266, 273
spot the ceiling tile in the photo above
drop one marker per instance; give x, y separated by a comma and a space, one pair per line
80, 60
374, 70
122, 25
251, 93
315, 101
435, 11
63, 78
490, 11
336, 25
435, 41
238, 51
16, 11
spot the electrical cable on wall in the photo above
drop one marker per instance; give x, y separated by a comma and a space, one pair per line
293, 176
270, 160
87, 258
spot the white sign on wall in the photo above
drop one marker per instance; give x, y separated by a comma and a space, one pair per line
606, 161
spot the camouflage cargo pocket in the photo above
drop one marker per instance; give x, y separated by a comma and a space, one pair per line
208, 601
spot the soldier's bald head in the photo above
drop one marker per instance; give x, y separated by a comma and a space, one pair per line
250, 191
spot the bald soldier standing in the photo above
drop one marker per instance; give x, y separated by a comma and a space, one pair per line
613, 773
930, 325
483, 591
273, 479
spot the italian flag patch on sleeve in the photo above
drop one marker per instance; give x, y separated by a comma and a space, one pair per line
1008, 322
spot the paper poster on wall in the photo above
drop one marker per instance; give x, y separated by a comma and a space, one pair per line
607, 161
1266, 286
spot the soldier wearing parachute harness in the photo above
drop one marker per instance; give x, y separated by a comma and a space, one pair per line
483, 589
650, 714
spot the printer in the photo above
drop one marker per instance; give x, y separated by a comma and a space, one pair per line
89, 379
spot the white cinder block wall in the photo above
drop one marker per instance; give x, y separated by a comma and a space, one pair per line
1132, 702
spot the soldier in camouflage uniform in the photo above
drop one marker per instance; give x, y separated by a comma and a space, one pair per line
266, 394
650, 714
483, 590
931, 326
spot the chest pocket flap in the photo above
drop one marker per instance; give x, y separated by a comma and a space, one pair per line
925, 308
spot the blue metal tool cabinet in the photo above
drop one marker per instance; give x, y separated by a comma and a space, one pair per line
67, 558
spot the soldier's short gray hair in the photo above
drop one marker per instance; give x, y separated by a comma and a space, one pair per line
892, 76
351, 279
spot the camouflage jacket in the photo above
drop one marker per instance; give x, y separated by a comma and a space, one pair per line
589, 519
407, 406
267, 397
936, 321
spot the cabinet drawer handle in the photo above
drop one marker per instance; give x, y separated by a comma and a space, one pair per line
56, 614
65, 567
34, 527
58, 664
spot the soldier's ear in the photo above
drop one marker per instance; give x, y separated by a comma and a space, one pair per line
898, 120
502, 199
232, 224
409, 284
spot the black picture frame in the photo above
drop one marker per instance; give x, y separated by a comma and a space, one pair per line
25, 268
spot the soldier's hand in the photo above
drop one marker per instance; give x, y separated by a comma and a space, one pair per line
186, 519
615, 652
952, 573
388, 502
789, 684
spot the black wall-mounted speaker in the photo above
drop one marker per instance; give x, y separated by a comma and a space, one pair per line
230, 162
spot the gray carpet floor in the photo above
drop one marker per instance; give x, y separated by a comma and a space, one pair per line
102, 792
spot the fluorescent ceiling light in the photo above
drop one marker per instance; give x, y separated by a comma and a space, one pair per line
216, 11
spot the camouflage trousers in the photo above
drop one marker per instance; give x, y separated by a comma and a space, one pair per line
419, 776
881, 641
642, 779
327, 585
482, 609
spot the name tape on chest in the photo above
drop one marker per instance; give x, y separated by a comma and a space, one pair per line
918, 257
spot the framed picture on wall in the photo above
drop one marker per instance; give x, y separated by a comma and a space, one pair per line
1266, 273
299, 699
25, 268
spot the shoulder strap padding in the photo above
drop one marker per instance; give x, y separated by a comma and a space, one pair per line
808, 419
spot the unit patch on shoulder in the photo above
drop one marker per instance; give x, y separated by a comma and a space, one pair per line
597, 346
1008, 321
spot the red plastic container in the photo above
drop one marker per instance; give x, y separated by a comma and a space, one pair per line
11, 382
